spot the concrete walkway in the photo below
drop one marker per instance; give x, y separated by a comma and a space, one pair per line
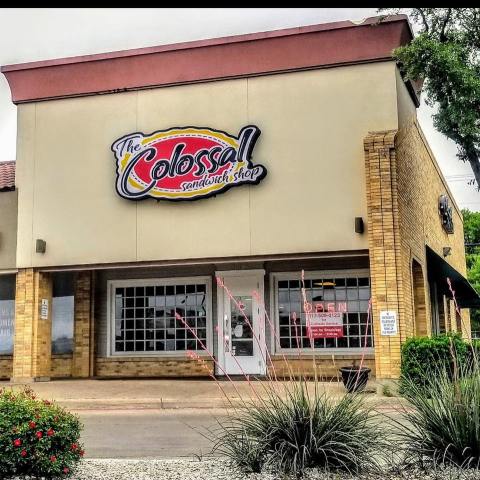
169, 394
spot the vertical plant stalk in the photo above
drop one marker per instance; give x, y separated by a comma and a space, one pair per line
364, 350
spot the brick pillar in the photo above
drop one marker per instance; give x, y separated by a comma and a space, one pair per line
33, 333
81, 349
384, 248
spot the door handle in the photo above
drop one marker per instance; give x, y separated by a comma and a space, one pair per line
226, 334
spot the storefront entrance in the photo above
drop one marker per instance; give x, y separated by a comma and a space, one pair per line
241, 323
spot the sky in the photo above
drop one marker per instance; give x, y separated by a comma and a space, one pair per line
39, 34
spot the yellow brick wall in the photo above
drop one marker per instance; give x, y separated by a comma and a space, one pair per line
403, 187
148, 367
326, 368
32, 341
6, 367
81, 354
61, 366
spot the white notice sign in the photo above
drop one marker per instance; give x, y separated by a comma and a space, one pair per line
388, 322
44, 309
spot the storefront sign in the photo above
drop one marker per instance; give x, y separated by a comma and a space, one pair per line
388, 323
325, 325
185, 163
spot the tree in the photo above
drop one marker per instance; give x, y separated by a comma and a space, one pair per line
471, 228
446, 55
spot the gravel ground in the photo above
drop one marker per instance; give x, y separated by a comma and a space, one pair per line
219, 469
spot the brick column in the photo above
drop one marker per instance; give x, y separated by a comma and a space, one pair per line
384, 248
81, 349
33, 334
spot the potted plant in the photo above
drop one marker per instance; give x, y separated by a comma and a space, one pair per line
355, 378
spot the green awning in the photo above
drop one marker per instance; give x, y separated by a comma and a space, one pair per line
439, 270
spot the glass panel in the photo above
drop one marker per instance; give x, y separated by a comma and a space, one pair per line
63, 303
347, 295
145, 318
241, 322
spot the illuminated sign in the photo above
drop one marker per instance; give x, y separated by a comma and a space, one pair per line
325, 325
185, 163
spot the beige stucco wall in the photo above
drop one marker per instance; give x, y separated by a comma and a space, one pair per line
8, 230
313, 124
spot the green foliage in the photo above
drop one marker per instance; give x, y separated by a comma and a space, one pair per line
423, 356
288, 434
446, 54
471, 227
37, 438
443, 427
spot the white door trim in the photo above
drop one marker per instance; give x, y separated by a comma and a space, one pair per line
225, 358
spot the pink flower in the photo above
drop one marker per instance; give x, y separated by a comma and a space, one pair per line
66, 470
53, 458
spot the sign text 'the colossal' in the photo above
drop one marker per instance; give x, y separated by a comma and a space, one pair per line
185, 163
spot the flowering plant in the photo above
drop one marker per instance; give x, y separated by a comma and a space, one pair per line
37, 438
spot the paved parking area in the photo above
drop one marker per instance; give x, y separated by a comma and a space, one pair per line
148, 433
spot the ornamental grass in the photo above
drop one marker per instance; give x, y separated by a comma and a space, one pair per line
38, 439
443, 427
298, 430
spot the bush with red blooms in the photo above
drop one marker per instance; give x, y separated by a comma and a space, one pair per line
37, 438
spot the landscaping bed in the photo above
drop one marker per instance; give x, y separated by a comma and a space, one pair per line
220, 469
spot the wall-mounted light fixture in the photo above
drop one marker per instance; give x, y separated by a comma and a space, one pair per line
447, 251
40, 246
359, 227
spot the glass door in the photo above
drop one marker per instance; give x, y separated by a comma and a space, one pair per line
241, 339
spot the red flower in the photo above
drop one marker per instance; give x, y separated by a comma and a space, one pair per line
23, 453
17, 442
50, 432
66, 470
32, 424
47, 402
74, 447
81, 453
53, 458
39, 434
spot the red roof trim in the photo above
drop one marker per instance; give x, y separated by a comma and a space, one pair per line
262, 53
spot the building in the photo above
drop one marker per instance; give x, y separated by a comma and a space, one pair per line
170, 197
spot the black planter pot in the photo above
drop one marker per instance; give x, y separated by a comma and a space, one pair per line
354, 378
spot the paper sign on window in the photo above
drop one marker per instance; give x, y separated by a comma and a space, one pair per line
325, 325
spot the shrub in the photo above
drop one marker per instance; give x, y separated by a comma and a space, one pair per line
37, 438
422, 356
443, 428
300, 430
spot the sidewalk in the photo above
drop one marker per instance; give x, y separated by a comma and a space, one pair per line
145, 394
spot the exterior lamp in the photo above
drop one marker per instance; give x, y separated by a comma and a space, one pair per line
447, 251
359, 227
40, 246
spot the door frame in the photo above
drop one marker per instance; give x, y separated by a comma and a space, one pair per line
225, 274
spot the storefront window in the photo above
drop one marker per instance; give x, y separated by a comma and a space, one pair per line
324, 293
145, 317
62, 313
7, 313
